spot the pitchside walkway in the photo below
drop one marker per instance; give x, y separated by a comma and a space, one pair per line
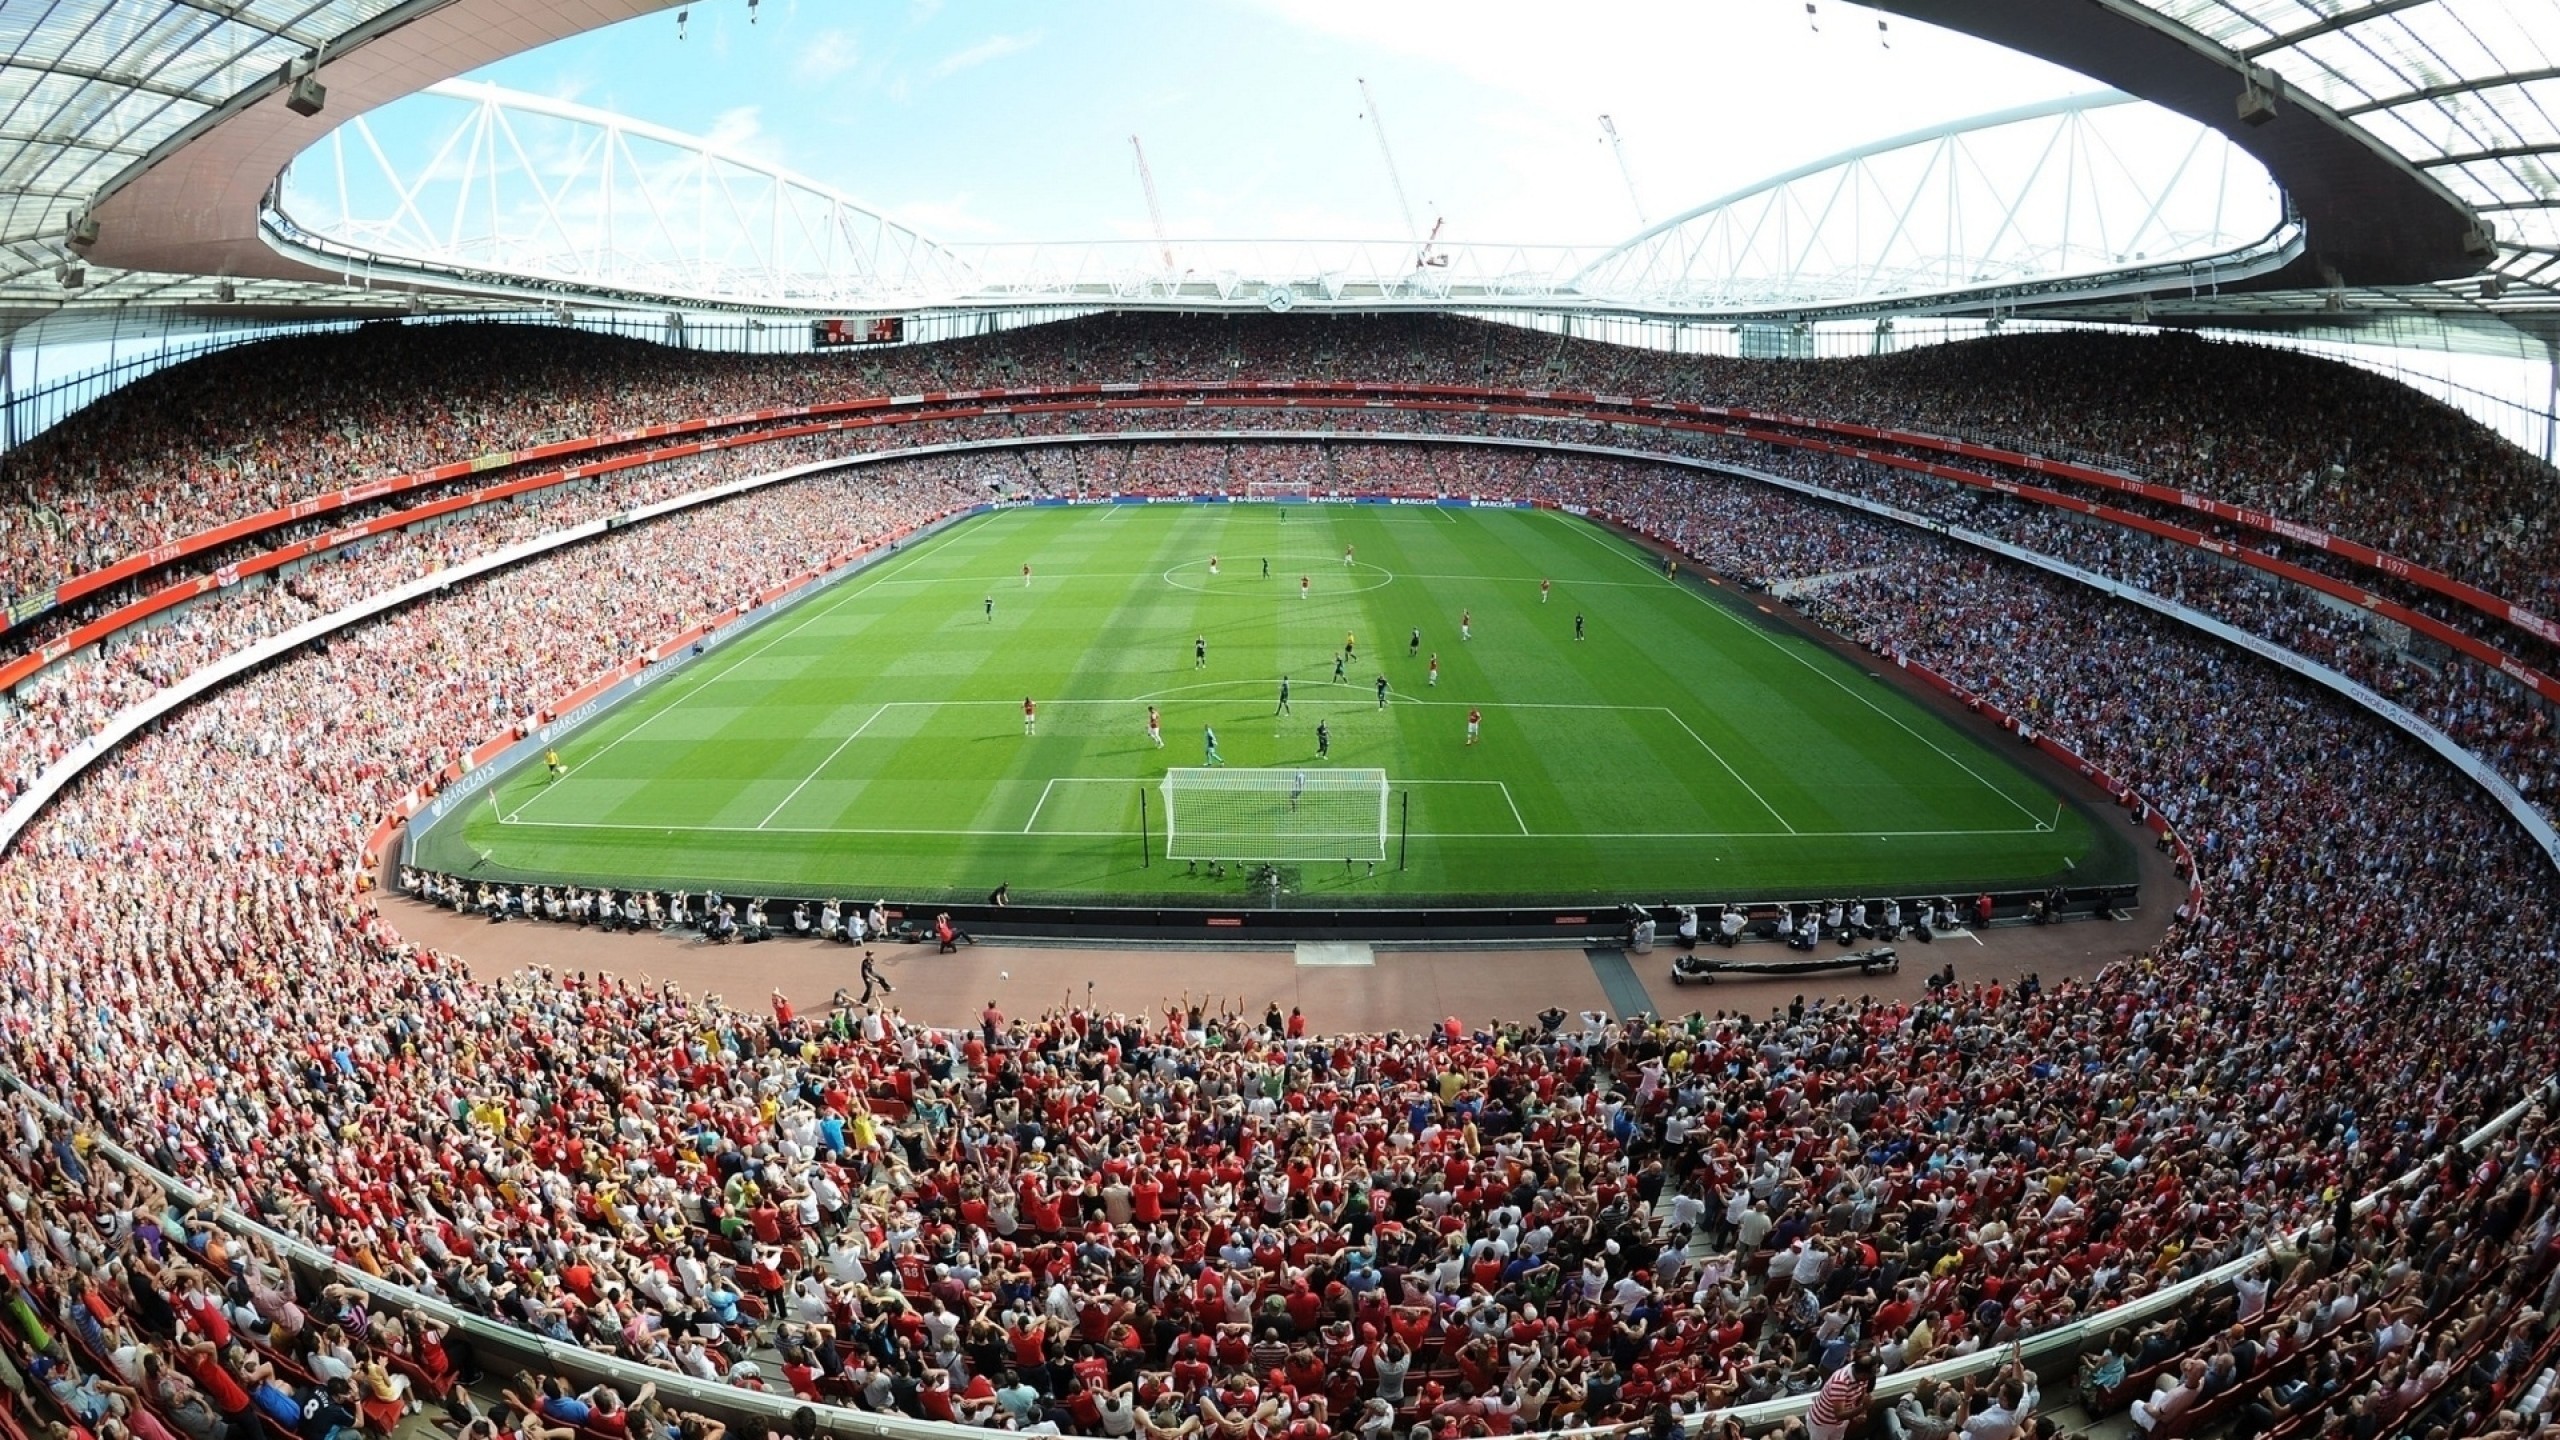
1402, 989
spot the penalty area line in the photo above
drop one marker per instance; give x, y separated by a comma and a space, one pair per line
1718, 757
822, 765
1036, 804
847, 589
1620, 548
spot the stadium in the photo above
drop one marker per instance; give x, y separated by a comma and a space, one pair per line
1905, 792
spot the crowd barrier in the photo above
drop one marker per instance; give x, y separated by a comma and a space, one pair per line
1592, 922
511, 1347
1679, 416
2496, 785
126, 722
2521, 810
503, 1348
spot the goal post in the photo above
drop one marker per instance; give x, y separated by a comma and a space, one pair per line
1222, 814
1281, 490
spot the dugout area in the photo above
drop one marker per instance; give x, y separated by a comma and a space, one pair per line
868, 740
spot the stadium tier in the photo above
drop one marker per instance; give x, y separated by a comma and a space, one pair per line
2145, 1186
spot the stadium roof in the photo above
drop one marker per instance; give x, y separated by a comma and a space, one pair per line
2413, 138
2467, 90
2409, 133
167, 121
90, 90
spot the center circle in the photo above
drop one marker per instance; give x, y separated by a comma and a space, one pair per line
1194, 575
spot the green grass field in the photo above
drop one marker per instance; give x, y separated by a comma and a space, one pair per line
870, 739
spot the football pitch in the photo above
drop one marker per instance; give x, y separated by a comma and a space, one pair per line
870, 739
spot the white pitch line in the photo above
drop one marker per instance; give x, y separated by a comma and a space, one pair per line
848, 592
1059, 780
1609, 544
1718, 757
1314, 694
1123, 834
1515, 808
1163, 697
1525, 580
1296, 563
1036, 804
822, 765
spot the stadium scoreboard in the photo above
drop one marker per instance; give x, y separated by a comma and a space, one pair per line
875, 330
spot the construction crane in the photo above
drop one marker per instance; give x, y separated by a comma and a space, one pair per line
1155, 212
1378, 126
1618, 148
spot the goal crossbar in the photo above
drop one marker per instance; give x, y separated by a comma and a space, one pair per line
1275, 814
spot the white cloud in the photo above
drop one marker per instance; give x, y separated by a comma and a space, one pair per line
1251, 121
1709, 97
572, 86
828, 54
994, 47
741, 129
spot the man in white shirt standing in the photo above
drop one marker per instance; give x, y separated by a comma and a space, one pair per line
2011, 1404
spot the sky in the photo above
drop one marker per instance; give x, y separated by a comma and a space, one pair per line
1009, 120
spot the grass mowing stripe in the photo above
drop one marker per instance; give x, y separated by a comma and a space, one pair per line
1617, 547
1525, 833
1577, 793
821, 767
710, 679
1774, 813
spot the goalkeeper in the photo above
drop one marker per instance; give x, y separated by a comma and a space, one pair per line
1209, 746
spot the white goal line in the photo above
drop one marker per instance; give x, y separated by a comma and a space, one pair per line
1256, 690
896, 830
1153, 781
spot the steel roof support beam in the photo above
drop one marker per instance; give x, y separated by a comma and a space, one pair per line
2448, 89
2037, 195
589, 198
2502, 152
2370, 213
2342, 20
146, 84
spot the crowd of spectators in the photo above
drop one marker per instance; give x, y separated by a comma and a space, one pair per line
261, 426
2356, 453
1195, 1221
1553, 1222
264, 425
2489, 713
75, 699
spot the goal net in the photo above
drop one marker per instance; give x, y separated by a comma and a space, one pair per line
1278, 490
1275, 814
